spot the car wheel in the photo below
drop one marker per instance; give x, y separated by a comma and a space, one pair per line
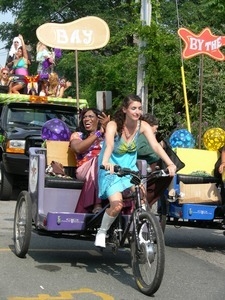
6, 184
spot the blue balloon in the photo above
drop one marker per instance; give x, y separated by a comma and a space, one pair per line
55, 130
182, 138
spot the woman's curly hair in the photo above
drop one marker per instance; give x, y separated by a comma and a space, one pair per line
119, 116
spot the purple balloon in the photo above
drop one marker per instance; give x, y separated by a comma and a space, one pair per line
55, 130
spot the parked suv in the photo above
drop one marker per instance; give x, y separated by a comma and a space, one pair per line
20, 129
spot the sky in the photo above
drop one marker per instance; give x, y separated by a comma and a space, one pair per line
3, 52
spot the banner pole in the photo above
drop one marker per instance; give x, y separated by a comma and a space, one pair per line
185, 99
77, 80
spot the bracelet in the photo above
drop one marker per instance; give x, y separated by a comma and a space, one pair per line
98, 133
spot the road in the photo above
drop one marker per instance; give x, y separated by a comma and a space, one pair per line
68, 269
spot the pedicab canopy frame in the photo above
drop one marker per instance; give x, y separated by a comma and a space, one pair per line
86, 33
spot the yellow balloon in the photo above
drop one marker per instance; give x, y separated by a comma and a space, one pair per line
214, 138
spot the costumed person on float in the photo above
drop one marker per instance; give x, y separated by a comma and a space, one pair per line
12, 52
45, 59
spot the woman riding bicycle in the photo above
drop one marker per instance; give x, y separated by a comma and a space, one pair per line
120, 148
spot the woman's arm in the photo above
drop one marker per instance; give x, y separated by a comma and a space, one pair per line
222, 165
110, 132
80, 146
61, 92
25, 54
104, 119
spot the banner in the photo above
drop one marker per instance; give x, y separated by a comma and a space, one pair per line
86, 33
203, 43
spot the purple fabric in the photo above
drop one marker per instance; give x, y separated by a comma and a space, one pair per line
58, 53
46, 63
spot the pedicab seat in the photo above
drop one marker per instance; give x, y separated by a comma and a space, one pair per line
195, 183
192, 179
63, 183
59, 151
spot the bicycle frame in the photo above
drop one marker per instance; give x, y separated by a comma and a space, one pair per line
134, 216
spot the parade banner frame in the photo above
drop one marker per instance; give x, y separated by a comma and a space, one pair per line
88, 33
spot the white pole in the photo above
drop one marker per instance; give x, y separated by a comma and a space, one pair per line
142, 88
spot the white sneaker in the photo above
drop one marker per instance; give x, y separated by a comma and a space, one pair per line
100, 239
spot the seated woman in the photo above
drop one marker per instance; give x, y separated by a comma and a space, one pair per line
57, 87
86, 143
4, 81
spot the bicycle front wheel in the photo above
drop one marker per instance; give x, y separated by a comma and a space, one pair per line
148, 254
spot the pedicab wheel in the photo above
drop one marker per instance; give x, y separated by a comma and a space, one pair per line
163, 219
163, 212
148, 260
22, 224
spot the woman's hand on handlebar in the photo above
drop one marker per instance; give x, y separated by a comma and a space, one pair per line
172, 169
108, 167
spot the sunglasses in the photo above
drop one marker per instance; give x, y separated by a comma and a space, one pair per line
5, 73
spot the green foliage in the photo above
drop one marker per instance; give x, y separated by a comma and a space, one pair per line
114, 67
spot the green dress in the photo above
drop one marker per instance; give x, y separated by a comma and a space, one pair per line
145, 151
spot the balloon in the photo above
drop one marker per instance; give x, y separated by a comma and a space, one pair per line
182, 138
55, 130
214, 138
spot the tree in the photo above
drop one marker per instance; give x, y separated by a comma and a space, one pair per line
115, 66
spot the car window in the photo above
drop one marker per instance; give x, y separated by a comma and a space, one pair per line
32, 116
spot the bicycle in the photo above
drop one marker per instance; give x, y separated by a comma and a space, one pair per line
144, 234
41, 210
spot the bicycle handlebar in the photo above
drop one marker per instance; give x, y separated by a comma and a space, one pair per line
126, 171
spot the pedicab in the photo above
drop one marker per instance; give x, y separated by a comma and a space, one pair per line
194, 196
47, 208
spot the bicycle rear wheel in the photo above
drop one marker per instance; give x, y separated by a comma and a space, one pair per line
148, 260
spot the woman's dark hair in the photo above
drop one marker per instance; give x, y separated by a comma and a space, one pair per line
81, 127
119, 116
150, 119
